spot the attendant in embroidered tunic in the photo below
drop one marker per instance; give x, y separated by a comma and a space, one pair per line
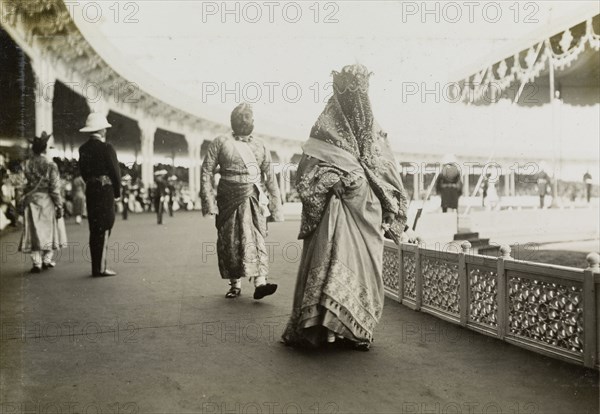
241, 206
351, 194
44, 227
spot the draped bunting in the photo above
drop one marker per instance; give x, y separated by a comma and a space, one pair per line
537, 58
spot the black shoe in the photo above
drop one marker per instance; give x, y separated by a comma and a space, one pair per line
36, 269
264, 290
107, 272
48, 265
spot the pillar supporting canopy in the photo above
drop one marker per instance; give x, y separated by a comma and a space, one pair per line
45, 79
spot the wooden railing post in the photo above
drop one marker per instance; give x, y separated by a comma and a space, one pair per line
463, 283
502, 298
590, 322
418, 280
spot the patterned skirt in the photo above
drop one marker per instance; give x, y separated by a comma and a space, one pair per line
241, 232
339, 286
41, 229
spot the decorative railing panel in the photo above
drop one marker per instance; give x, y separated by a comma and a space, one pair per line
440, 285
391, 277
547, 313
549, 309
409, 264
483, 297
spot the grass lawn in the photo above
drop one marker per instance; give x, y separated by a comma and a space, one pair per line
534, 253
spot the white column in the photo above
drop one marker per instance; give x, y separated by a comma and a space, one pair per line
147, 130
287, 177
197, 167
193, 148
513, 183
193, 171
466, 185
44, 96
284, 164
416, 188
198, 173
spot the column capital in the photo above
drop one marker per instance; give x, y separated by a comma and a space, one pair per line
148, 129
98, 105
194, 140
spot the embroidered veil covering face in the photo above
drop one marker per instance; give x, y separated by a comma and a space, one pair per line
347, 122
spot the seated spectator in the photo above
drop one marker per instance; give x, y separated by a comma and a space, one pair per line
7, 200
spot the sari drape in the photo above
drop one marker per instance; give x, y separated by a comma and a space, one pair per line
241, 231
240, 220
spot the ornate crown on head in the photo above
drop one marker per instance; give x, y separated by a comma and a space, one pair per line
352, 78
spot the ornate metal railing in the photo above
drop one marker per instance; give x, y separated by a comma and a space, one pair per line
553, 310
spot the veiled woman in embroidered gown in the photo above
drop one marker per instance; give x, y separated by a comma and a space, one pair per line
44, 228
349, 186
241, 206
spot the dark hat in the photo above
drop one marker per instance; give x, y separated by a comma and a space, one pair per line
242, 119
39, 144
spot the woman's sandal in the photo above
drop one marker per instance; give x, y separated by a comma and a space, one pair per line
233, 293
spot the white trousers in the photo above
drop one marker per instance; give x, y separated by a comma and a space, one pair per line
42, 257
258, 281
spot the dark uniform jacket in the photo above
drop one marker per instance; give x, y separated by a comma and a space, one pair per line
449, 186
100, 170
97, 158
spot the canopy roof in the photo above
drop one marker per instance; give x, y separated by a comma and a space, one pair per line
567, 49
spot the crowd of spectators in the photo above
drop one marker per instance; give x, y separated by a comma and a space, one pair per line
139, 198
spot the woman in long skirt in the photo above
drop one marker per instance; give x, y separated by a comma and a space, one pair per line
351, 193
44, 227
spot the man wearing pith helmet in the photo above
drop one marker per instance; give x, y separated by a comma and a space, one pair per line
100, 170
